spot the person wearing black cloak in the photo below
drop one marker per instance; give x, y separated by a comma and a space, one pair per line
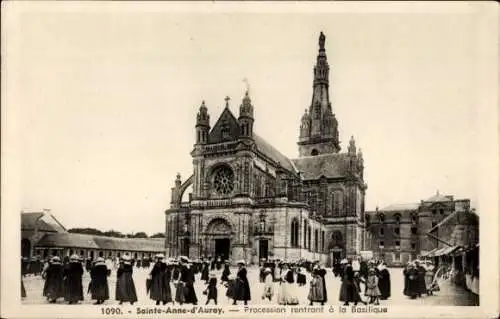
187, 277
125, 287
204, 272
54, 274
301, 278
98, 286
212, 289
242, 288
384, 283
225, 273
422, 288
322, 273
160, 287
411, 281
73, 272
349, 290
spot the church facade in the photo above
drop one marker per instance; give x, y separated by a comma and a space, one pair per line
249, 201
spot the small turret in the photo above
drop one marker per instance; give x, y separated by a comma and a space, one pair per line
305, 126
202, 124
246, 117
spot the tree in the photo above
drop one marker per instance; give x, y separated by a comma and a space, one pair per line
140, 235
158, 235
113, 233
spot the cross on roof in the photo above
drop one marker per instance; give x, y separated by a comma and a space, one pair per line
227, 100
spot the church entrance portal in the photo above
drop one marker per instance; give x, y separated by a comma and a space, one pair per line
218, 236
222, 248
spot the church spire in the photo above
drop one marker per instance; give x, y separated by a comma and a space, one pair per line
320, 135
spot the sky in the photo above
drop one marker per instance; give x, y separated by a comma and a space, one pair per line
101, 102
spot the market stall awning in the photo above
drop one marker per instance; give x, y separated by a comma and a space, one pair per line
429, 253
445, 251
439, 252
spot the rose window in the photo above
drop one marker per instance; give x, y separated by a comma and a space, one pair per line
224, 180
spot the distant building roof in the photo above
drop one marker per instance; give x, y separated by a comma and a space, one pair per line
328, 165
439, 198
400, 207
42, 221
101, 242
271, 152
68, 240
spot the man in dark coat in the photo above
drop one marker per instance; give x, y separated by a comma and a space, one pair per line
160, 287
54, 274
242, 287
73, 292
384, 283
98, 286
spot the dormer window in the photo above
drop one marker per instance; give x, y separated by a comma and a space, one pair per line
397, 217
381, 218
414, 219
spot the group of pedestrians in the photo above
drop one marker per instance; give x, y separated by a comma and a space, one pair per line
355, 274
419, 279
173, 281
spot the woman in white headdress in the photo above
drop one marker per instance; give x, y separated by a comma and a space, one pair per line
286, 292
268, 285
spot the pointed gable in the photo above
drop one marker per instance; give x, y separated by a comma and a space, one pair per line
225, 129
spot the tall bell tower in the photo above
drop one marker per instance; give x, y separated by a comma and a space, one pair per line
319, 127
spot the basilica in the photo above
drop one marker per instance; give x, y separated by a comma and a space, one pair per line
249, 201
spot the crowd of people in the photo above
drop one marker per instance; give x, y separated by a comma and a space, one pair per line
172, 280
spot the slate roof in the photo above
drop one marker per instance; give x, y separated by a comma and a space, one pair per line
329, 165
271, 152
101, 242
400, 207
29, 222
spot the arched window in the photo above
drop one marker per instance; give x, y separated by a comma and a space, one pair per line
314, 152
295, 233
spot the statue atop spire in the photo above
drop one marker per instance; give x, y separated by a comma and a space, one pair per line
351, 149
322, 41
